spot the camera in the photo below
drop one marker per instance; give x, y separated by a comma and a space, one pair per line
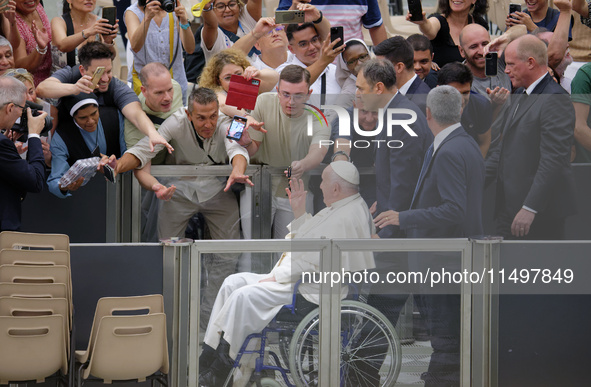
22, 124
167, 5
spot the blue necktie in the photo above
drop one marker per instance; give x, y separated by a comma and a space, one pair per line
426, 162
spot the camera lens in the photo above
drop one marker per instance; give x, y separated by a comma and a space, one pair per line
167, 5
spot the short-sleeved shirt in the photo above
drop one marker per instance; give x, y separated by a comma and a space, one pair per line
551, 20
286, 139
581, 93
479, 85
133, 134
122, 94
246, 23
350, 14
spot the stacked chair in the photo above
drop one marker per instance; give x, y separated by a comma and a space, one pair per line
35, 307
128, 337
127, 342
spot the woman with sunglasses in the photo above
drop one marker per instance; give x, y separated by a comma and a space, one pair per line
77, 26
225, 21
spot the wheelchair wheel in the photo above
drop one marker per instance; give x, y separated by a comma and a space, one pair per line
370, 354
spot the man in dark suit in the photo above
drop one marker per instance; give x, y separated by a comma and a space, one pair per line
397, 167
447, 203
447, 199
400, 52
397, 171
18, 176
535, 185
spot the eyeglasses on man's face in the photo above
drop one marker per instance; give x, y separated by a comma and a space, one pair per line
306, 43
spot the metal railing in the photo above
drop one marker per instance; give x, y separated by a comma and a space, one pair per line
330, 302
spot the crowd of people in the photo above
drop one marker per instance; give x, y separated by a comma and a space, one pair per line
436, 118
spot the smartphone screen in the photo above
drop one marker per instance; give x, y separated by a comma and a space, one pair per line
416, 10
337, 32
110, 13
514, 8
236, 128
490, 65
96, 77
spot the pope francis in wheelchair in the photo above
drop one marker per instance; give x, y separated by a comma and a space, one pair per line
248, 302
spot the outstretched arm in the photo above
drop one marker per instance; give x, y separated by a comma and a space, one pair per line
150, 183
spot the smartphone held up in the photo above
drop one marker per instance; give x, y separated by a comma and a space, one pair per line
416, 10
236, 128
289, 17
337, 33
490, 64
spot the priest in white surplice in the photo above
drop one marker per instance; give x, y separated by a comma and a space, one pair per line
247, 302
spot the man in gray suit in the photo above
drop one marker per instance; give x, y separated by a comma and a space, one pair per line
448, 197
447, 203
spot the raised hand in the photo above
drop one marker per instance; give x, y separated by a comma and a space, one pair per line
41, 36
162, 192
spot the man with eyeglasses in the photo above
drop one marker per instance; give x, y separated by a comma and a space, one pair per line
18, 176
305, 43
271, 40
401, 53
273, 47
285, 143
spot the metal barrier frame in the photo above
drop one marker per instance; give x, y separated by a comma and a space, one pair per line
189, 171
187, 371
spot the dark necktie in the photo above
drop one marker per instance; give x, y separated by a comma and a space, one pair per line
426, 162
519, 96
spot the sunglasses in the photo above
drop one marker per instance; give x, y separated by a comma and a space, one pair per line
12, 72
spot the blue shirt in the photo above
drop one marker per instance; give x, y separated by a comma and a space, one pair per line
350, 14
551, 20
60, 154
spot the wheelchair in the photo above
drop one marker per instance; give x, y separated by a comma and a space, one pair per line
370, 348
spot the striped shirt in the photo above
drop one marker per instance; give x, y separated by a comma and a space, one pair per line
350, 14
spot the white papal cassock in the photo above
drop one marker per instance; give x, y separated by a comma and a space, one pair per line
244, 305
